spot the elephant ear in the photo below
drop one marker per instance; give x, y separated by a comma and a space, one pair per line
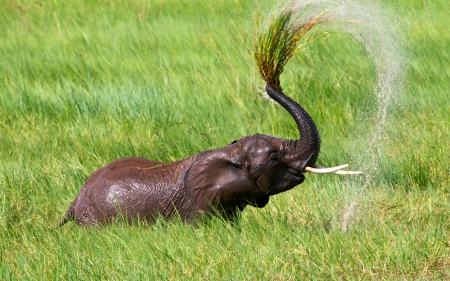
216, 180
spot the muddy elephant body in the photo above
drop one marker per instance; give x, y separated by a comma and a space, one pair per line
121, 190
140, 189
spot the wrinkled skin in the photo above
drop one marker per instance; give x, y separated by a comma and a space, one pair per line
221, 181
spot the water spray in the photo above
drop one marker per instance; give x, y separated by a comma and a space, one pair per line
280, 36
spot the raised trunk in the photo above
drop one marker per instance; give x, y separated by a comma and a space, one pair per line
307, 148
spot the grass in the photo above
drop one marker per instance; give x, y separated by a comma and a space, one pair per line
284, 38
83, 83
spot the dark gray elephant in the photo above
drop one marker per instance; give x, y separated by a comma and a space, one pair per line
224, 181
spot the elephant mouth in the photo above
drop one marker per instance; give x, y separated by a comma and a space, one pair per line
288, 181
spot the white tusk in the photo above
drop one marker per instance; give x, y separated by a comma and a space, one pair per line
322, 170
317, 169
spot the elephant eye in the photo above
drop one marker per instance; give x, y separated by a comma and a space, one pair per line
274, 156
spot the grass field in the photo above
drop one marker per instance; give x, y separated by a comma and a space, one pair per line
83, 83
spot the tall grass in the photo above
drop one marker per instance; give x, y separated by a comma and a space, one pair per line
83, 83
284, 37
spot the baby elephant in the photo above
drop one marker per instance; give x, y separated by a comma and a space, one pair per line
221, 181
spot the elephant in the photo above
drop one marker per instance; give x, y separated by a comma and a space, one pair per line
221, 182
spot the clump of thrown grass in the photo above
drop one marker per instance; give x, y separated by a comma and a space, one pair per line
286, 34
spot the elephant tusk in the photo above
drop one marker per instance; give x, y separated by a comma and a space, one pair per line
317, 169
322, 170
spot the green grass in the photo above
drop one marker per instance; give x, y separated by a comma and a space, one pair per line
83, 83
276, 44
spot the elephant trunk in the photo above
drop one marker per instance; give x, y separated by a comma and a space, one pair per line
307, 148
